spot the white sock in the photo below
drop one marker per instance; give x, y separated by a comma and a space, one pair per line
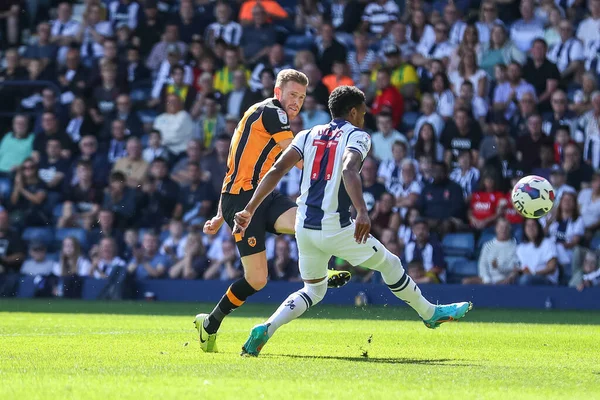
293, 307
407, 290
296, 304
400, 283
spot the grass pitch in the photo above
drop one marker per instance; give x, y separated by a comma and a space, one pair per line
94, 350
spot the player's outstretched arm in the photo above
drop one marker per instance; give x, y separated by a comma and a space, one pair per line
351, 176
288, 159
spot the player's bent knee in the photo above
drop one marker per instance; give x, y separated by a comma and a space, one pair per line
384, 261
257, 281
315, 291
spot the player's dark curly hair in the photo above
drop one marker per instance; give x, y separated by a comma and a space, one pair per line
343, 99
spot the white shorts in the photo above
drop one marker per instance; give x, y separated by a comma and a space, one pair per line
315, 249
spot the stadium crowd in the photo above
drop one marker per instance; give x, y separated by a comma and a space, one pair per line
117, 117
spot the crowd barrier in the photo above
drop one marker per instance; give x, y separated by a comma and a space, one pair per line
512, 297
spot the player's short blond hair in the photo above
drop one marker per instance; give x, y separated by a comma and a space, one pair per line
290, 75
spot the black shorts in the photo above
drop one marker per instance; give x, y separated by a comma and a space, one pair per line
263, 220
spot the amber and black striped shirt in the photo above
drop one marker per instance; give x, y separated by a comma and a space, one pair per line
254, 145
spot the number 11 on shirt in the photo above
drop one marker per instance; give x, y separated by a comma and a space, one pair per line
321, 145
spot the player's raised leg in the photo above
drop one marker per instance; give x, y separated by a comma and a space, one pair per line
403, 287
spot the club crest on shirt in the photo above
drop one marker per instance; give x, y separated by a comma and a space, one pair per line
282, 116
251, 241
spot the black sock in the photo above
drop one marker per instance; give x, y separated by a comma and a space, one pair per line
235, 296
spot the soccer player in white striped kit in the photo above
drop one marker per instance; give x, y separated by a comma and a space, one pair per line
333, 155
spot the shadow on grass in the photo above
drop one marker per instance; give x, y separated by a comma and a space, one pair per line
449, 362
262, 311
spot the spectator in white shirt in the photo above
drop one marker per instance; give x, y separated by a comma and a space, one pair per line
469, 71
498, 259
589, 206
429, 114
477, 103
568, 53
589, 28
384, 138
443, 95
175, 125
566, 228
525, 30
419, 31
64, 31
537, 257
38, 264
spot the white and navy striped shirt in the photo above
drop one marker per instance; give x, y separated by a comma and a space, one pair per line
106, 267
564, 53
445, 103
91, 48
231, 33
589, 129
323, 203
378, 16
592, 56
69, 28
255, 83
357, 67
457, 30
467, 181
435, 50
127, 14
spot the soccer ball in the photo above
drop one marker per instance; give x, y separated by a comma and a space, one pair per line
533, 196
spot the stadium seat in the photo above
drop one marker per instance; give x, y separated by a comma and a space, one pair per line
484, 238
57, 211
55, 256
163, 235
517, 230
459, 245
595, 244
44, 235
409, 120
460, 269
77, 233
